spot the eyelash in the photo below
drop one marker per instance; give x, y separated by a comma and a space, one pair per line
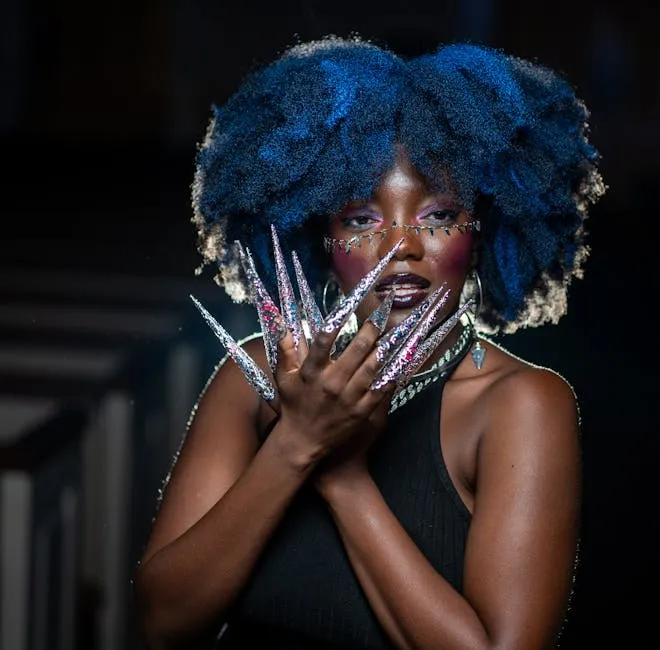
348, 222
446, 215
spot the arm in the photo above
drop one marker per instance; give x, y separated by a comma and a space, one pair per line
227, 495
522, 540
220, 506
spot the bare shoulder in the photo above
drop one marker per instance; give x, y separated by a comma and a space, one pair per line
227, 384
528, 387
220, 442
531, 404
524, 385
228, 410
226, 371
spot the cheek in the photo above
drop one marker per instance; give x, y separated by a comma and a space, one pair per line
349, 268
454, 257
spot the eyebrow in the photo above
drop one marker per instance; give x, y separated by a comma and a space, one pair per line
362, 209
443, 203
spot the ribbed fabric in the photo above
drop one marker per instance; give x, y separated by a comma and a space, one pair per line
304, 595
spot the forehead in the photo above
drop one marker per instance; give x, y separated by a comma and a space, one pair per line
404, 178
403, 174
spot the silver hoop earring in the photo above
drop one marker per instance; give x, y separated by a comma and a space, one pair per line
332, 293
330, 288
478, 352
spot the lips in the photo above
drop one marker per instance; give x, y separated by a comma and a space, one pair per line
410, 289
401, 280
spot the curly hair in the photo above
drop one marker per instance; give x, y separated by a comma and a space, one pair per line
320, 125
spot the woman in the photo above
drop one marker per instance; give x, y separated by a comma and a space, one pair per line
346, 507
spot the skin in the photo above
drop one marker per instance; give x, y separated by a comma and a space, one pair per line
509, 435
404, 198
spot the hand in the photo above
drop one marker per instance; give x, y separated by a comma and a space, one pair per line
328, 403
349, 462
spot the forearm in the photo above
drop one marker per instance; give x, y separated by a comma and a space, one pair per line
186, 588
416, 606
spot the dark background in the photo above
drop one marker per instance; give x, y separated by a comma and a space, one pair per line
101, 109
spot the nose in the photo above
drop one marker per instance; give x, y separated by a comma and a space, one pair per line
412, 246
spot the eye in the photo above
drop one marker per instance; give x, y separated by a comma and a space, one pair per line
444, 216
359, 222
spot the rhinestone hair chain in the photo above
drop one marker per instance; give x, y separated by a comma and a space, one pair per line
330, 243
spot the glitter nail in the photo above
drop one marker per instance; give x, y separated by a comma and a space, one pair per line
350, 303
429, 346
399, 363
253, 373
379, 316
312, 312
288, 303
388, 344
272, 323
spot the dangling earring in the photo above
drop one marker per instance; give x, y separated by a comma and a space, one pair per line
332, 294
478, 352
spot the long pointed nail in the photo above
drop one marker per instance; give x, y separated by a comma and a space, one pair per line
350, 303
253, 373
425, 352
430, 345
312, 312
399, 333
273, 327
399, 363
379, 316
288, 302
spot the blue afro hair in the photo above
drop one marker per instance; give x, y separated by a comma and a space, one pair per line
320, 126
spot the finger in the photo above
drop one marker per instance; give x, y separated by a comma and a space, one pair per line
371, 363
303, 349
357, 358
364, 375
318, 356
378, 321
372, 401
400, 360
287, 356
381, 411
357, 352
275, 405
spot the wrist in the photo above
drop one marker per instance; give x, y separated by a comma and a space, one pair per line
343, 481
295, 448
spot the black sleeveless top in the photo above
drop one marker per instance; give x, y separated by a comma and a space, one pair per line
303, 594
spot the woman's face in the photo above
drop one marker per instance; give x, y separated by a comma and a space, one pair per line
423, 262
